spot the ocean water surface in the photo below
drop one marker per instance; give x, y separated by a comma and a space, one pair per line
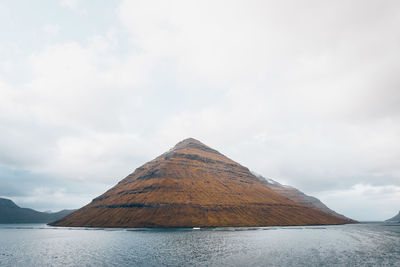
366, 244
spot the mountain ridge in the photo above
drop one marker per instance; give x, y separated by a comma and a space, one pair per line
193, 185
297, 196
395, 218
12, 213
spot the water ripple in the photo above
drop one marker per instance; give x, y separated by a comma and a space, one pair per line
346, 245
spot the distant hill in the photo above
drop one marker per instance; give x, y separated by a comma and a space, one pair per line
297, 196
193, 185
395, 218
11, 213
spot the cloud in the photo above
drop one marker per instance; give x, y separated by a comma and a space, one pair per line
364, 202
44, 192
304, 93
72, 103
51, 29
71, 4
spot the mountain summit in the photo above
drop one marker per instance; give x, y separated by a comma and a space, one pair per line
194, 185
193, 143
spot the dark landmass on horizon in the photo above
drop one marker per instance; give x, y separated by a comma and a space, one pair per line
12, 213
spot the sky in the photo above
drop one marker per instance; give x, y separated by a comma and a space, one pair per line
304, 92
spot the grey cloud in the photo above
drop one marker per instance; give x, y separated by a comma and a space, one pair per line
303, 92
43, 192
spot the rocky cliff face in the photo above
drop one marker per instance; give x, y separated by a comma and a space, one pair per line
194, 185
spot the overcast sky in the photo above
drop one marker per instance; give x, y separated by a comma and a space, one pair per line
303, 92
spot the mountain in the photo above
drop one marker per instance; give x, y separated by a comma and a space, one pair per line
194, 185
298, 196
395, 218
11, 213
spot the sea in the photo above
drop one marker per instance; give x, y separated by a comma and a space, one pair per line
364, 244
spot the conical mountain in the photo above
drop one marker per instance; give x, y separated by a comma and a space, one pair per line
193, 185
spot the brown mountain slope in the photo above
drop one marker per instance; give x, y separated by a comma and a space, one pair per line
298, 196
193, 185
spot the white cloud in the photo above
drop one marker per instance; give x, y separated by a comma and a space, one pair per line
52, 29
52, 198
305, 93
71, 4
364, 202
